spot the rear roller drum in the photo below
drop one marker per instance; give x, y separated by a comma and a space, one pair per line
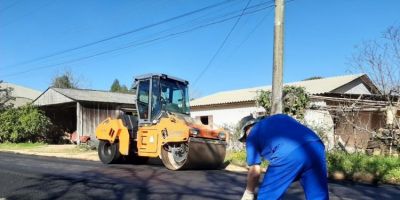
108, 153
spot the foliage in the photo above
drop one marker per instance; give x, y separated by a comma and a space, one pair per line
5, 97
239, 158
24, 124
382, 169
295, 101
117, 87
313, 78
66, 80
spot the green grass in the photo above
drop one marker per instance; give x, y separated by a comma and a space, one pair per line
382, 169
357, 167
20, 146
239, 158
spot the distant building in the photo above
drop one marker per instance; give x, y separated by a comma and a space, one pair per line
80, 111
330, 97
22, 95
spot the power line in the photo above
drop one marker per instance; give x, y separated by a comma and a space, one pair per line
124, 33
133, 44
221, 45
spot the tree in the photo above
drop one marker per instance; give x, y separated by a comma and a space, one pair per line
295, 101
66, 80
117, 87
5, 97
380, 59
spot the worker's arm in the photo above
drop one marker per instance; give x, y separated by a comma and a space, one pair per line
253, 178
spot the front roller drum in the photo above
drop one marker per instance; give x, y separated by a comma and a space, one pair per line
197, 153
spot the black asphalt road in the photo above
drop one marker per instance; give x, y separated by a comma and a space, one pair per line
35, 177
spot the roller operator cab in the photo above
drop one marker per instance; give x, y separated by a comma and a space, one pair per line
161, 127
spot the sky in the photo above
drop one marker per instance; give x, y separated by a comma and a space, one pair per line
101, 40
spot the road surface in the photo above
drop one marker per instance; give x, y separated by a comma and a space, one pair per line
36, 177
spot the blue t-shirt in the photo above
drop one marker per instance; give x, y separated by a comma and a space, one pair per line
274, 137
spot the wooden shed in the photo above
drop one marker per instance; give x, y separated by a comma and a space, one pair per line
81, 110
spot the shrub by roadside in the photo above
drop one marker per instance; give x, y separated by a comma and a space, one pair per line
364, 168
24, 124
357, 167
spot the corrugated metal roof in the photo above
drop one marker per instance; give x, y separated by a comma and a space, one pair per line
91, 96
317, 86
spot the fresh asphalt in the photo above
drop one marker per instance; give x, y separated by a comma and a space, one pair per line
37, 177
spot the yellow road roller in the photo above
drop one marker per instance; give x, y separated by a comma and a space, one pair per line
161, 126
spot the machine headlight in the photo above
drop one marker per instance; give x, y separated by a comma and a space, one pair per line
222, 135
194, 131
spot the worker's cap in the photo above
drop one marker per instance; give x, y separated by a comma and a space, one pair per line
244, 123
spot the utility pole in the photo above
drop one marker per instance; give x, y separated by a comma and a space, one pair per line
277, 84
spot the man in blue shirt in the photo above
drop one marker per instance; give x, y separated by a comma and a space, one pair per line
293, 151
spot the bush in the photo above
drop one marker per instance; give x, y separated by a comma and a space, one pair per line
295, 101
24, 124
382, 169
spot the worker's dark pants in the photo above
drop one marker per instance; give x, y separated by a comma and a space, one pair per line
306, 163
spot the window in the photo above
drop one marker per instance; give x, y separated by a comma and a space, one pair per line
143, 99
206, 120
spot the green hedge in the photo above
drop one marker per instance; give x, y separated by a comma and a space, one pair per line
357, 167
376, 169
24, 124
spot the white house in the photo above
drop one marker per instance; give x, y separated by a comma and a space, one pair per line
228, 107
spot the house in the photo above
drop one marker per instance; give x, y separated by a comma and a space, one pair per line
81, 110
330, 97
22, 95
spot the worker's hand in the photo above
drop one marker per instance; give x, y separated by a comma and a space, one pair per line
247, 195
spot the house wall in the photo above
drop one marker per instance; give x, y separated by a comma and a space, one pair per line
355, 87
227, 114
355, 129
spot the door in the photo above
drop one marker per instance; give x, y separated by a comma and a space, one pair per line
147, 142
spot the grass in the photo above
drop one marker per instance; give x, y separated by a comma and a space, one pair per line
239, 158
356, 167
21, 146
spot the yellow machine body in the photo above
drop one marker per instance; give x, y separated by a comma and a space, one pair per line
151, 138
112, 129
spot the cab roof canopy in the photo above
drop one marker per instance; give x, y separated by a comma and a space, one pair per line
145, 76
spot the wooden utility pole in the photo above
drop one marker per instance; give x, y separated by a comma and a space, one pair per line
277, 84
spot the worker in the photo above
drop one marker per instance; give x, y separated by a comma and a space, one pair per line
293, 151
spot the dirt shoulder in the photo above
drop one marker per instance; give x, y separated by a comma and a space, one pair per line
60, 151
72, 152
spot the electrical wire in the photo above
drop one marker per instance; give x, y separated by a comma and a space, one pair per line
221, 45
137, 43
124, 33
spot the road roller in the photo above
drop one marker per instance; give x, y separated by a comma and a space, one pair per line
161, 126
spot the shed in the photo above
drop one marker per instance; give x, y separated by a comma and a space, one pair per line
81, 110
